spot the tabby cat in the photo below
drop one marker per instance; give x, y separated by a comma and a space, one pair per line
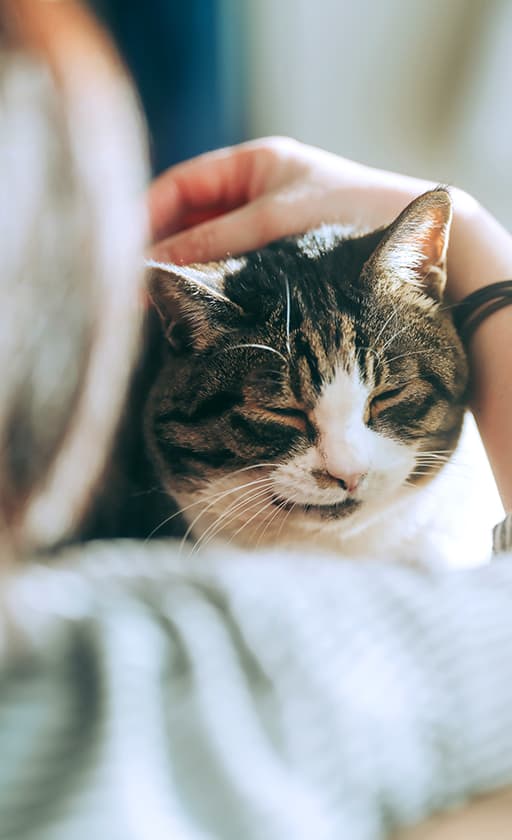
314, 392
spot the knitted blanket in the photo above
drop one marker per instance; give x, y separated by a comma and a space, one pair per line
144, 694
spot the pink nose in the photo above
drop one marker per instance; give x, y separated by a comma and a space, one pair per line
350, 481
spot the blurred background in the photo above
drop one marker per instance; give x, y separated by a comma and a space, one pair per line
419, 86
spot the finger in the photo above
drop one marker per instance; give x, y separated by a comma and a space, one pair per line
194, 217
241, 230
212, 183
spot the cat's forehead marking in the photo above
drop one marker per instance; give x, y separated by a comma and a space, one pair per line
343, 398
320, 351
345, 348
345, 442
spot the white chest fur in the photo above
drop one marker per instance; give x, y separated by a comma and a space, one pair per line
448, 521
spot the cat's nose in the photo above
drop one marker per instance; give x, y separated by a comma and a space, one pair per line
349, 481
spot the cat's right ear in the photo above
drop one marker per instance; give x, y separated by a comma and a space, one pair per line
191, 302
413, 248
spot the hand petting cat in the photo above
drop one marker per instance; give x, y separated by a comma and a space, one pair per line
239, 198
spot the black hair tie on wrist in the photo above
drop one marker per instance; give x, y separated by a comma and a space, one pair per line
469, 313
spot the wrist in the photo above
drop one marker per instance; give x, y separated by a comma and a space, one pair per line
480, 250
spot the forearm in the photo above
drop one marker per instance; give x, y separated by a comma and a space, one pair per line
482, 254
491, 360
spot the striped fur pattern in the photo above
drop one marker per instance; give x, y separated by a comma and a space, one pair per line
313, 389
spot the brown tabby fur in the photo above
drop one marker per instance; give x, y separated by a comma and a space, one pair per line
247, 346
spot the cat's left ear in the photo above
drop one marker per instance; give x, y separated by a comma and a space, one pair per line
414, 247
191, 302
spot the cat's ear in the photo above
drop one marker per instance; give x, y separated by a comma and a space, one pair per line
191, 302
414, 247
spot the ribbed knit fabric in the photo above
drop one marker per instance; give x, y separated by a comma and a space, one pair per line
247, 697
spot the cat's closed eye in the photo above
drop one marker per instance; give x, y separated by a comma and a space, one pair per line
287, 412
384, 399
290, 414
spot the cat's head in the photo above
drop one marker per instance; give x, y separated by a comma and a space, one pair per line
314, 381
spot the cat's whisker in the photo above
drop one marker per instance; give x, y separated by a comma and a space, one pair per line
234, 509
237, 508
232, 537
458, 466
257, 347
285, 519
432, 461
253, 485
270, 513
178, 512
420, 352
211, 496
433, 455
270, 517
214, 497
433, 473
394, 314
435, 452
288, 315
251, 467
227, 476
426, 457
429, 463
279, 509
228, 516
169, 519
392, 338
248, 522
217, 525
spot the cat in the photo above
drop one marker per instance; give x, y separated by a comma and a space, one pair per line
313, 392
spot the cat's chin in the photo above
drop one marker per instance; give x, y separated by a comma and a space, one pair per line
338, 510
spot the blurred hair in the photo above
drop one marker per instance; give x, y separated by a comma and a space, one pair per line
72, 171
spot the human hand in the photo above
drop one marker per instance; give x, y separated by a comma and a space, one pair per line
239, 198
